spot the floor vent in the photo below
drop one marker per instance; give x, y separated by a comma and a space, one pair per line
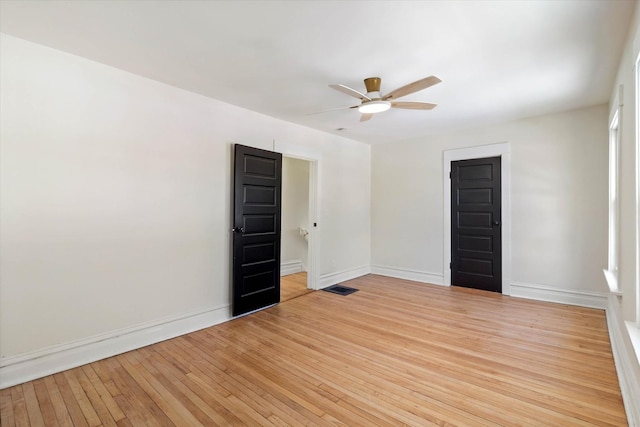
340, 290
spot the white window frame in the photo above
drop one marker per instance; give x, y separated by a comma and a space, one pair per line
611, 273
637, 173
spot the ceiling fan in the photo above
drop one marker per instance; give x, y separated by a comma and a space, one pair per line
372, 102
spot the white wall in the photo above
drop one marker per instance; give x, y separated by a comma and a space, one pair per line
558, 198
116, 198
295, 210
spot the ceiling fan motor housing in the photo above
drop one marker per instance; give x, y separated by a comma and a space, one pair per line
373, 85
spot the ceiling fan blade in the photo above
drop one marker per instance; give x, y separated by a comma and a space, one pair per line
413, 105
332, 109
365, 117
412, 87
351, 92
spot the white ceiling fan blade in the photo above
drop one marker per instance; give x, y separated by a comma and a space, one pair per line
413, 105
351, 92
365, 117
412, 87
332, 109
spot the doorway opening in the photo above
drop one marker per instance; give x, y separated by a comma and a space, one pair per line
295, 230
501, 150
313, 158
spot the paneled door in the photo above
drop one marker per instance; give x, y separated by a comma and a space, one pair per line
476, 233
256, 230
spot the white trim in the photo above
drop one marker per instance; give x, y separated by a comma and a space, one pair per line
482, 151
291, 267
612, 282
37, 364
313, 254
343, 276
615, 132
626, 362
634, 336
562, 296
297, 151
403, 273
637, 173
314, 157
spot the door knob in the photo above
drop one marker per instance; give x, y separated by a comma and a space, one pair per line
496, 222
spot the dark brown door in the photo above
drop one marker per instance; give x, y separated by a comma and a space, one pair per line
476, 237
256, 230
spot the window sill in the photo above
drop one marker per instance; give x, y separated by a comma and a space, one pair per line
634, 334
612, 281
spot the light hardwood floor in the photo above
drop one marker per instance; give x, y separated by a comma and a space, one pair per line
394, 353
293, 286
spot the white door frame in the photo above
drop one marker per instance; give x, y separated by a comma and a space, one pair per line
482, 151
314, 158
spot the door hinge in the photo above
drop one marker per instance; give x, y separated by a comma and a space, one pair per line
450, 266
450, 175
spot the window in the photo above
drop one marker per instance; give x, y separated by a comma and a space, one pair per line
612, 268
637, 167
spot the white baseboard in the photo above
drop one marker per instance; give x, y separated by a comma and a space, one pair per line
562, 296
627, 365
342, 276
402, 273
291, 267
29, 366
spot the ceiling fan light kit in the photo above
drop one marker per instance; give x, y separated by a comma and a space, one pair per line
373, 102
371, 107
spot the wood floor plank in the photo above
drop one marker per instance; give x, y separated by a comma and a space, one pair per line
134, 401
20, 413
260, 385
103, 393
178, 377
207, 387
6, 409
88, 410
101, 410
213, 366
46, 406
33, 407
176, 412
104, 373
395, 353
57, 401
70, 401
211, 369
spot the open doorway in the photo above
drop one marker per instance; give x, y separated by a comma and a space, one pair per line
295, 229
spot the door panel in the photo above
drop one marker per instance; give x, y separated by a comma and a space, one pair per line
256, 230
476, 237
259, 196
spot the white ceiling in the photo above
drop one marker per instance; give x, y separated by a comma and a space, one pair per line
498, 60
